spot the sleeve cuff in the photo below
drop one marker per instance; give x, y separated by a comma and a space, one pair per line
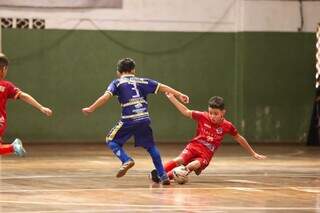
157, 89
17, 95
108, 93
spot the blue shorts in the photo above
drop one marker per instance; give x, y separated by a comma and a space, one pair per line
142, 133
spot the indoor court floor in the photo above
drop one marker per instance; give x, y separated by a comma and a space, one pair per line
80, 178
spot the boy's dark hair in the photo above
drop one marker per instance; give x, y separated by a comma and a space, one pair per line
126, 65
4, 61
216, 102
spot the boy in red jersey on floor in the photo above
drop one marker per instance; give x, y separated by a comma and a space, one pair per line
211, 128
9, 91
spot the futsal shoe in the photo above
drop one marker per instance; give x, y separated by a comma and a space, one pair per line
165, 180
124, 168
154, 176
18, 148
198, 171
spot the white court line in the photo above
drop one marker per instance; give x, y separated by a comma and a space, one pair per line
173, 207
245, 189
307, 189
160, 188
120, 210
145, 174
244, 181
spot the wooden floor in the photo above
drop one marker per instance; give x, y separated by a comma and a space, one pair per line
81, 178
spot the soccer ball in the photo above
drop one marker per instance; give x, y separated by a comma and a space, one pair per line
180, 174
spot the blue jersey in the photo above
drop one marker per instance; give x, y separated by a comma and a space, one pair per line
132, 95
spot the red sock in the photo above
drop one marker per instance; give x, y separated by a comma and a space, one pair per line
170, 175
6, 149
170, 165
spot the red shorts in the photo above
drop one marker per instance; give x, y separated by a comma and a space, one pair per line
196, 151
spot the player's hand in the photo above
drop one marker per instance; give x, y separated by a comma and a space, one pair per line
86, 111
259, 157
46, 111
184, 98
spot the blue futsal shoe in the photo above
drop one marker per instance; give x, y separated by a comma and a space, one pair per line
18, 148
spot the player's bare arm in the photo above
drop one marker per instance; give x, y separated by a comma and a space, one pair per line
102, 100
243, 142
33, 102
182, 108
166, 89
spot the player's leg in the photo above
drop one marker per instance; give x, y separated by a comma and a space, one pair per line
200, 162
157, 162
6, 149
184, 158
173, 163
169, 166
16, 147
144, 137
115, 140
194, 165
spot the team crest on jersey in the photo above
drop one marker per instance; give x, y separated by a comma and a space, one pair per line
219, 131
2, 88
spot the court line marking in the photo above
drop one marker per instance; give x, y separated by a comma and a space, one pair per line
118, 210
307, 189
146, 174
160, 188
244, 181
246, 189
173, 207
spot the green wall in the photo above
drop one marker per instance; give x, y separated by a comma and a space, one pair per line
265, 78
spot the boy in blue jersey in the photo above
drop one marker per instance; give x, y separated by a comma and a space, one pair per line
135, 121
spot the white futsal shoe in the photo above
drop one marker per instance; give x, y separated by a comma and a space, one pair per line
18, 148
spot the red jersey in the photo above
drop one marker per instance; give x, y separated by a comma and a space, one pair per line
210, 134
7, 91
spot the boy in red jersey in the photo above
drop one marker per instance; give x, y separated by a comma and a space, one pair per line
9, 91
211, 127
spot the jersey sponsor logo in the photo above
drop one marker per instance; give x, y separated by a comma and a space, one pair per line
132, 80
139, 105
140, 110
134, 101
142, 114
2, 88
210, 146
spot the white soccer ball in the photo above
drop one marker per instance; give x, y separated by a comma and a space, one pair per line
180, 174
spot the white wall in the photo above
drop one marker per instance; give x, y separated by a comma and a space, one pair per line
182, 15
